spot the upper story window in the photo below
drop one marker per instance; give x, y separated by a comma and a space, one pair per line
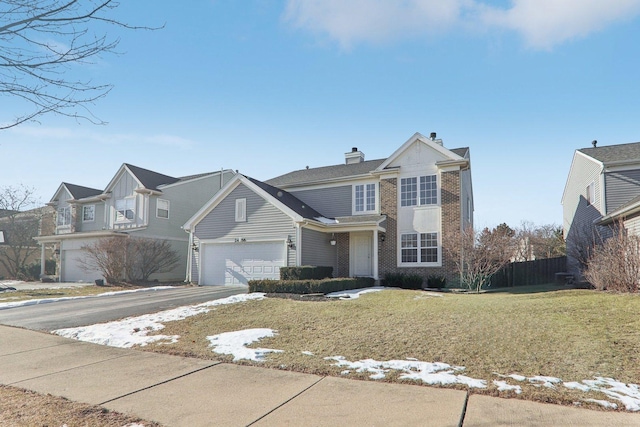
241, 210
428, 194
125, 209
364, 197
162, 208
88, 213
64, 216
591, 194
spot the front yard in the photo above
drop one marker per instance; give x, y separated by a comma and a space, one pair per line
576, 347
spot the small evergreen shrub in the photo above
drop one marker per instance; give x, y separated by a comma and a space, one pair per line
436, 282
404, 281
323, 286
305, 272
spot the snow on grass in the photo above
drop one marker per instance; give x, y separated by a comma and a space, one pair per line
49, 300
235, 344
542, 381
427, 372
354, 293
503, 386
308, 353
603, 403
132, 331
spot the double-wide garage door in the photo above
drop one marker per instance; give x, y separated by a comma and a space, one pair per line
237, 263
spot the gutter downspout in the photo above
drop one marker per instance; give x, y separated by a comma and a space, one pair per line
187, 278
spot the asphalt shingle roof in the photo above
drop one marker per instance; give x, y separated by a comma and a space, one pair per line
150, 179
289, 200
614, 153
80, 192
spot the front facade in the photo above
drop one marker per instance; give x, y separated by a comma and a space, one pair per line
138, 203
602, 189
363, 218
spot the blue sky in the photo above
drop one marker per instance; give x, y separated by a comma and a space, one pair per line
267, 87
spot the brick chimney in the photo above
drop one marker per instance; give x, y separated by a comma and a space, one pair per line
354, 156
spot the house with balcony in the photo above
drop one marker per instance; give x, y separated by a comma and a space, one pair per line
137, 202
361, 217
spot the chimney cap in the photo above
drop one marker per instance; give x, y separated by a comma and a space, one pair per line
354, 149
594, 143
432, 135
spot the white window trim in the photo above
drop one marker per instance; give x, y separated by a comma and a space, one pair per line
64, 215
241, 210
364, 201
158, 208
419, 248
419, 201
126, 220
94, 213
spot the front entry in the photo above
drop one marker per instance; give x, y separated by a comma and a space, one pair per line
360, 248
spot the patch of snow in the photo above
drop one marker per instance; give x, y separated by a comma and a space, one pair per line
603, 403
132, 331
627, 394
517, 377
573, 385
542, 381
354, 293
503, 386
49, 300
325, 220
308, 353
427, 372
235, 344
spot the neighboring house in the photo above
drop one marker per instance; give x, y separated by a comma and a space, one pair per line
137, 202
603, 187
363, 217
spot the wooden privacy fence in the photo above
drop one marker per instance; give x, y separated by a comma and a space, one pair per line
526, 273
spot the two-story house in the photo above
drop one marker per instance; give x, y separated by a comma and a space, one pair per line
362, 217
602, 188
137, 202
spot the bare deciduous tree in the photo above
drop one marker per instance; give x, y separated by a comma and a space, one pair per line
478, 256
129, 259
40, 40
615, 264
536, 242
19, 224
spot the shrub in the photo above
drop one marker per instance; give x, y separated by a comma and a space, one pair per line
323, 286
32, 271
305, 272
436, 282
404, 281
615, 264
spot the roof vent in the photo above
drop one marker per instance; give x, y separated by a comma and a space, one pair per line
594, 143
432, 136
354, 156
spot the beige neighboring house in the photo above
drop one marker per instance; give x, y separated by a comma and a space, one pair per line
136, 202
361, 217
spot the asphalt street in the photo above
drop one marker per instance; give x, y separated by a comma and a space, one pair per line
89, 311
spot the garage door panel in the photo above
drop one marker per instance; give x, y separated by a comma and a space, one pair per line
237, 263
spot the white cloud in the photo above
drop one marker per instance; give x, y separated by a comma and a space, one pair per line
542, 23
546, 23
377, 21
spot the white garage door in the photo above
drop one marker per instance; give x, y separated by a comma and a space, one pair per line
71, 270
237, 263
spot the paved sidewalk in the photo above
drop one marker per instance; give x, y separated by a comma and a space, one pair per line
177, 391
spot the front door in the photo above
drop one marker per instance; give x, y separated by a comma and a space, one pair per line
361, 251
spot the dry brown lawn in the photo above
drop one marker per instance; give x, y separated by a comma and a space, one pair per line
20, 407
570, 334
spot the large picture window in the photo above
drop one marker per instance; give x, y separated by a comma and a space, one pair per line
419, 248
428, 194
365, 197
125, 209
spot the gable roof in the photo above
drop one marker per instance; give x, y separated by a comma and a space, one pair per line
289, 200
305, 176
150, 179
614, 153
79, 192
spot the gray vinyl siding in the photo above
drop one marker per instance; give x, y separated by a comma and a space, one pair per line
621, 188
330, 202
96, 224
316, 249
632, 225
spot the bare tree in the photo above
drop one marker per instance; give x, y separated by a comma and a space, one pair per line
124, 258
40, 40
19, 224
539, 241
147, 257
615, 264
478, 256
582, 240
